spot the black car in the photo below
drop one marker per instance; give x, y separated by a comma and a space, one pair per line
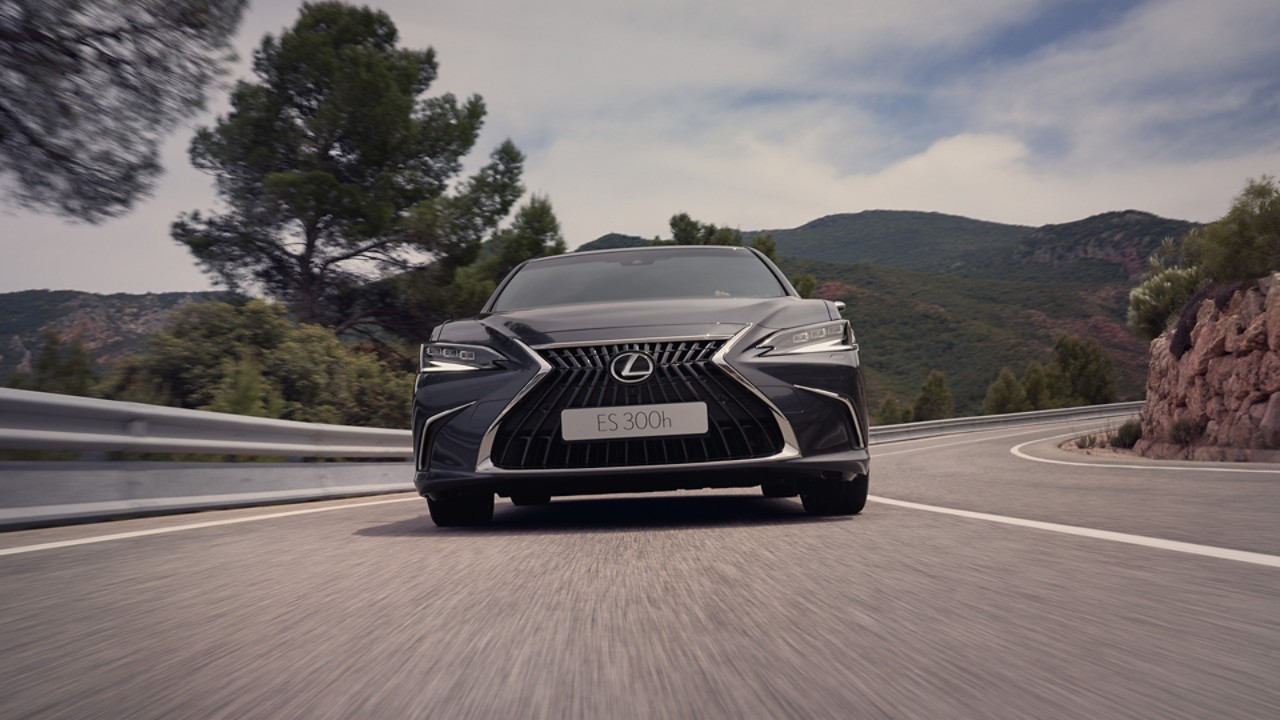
638, 370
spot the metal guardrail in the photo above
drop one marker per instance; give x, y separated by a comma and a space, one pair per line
47, 421
45, 493
933, 428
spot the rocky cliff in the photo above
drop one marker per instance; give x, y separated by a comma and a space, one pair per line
1125, 239
1220, 399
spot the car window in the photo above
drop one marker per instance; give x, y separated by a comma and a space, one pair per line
648, 275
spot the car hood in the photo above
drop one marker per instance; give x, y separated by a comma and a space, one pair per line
608, 322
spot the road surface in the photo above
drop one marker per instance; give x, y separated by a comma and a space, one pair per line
978, 583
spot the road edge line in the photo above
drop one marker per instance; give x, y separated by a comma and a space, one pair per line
1141, 540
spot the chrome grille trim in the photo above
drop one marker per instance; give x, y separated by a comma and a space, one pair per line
421, 459
788, 433
483, 461
629, 341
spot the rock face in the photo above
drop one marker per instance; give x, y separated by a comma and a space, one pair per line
1221, 399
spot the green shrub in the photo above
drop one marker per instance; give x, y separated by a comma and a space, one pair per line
252, 359
1160, 298
1127, 435
891, 412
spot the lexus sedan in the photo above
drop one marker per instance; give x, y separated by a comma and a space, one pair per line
639, 370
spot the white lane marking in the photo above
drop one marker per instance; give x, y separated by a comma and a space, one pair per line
1158, 543
189, 526
1017, 452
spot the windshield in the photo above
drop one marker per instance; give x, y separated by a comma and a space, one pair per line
644, 275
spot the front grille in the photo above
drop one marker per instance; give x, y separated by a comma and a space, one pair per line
739, 425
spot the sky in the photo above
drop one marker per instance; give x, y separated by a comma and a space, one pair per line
766, 115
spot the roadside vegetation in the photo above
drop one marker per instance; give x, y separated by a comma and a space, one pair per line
249, 359
1080, 372
1124, 437
1243, 245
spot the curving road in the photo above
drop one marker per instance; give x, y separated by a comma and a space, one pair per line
980, 583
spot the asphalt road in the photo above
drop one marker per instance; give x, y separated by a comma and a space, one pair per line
1160, 600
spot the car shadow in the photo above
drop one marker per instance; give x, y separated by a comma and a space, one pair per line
615, 514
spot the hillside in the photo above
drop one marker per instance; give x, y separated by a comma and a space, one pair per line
1121, 240
1111, 247
110, 326
929, 242
909, 323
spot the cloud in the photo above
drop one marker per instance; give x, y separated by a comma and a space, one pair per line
766, 115
1183, 79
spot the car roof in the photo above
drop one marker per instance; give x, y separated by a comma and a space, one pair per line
649, 248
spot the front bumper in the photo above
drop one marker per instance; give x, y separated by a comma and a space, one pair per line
817, 401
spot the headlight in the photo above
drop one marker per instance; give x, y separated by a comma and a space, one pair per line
450, 357
823, 337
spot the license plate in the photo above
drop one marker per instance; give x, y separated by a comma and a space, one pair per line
634, 421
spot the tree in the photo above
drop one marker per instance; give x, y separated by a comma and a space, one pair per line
766, 245
253, 359
1005, 395
891, 412
935, 401
337, 170
1044, 387
244, 391
90, 88
1245, 243
410, 304
687, 231
806, 284
66, 370
534, 233
1088, 373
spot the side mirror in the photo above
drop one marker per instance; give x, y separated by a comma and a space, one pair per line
840, 305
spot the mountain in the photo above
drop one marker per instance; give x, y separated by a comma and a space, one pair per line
909, 323
110, 326
613, 241
1108, 247
930, 242
1121, 239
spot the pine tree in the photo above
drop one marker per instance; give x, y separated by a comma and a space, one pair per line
336, 170
1005, 395
935, 401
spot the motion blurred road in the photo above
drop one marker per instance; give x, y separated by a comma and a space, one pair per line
708, 604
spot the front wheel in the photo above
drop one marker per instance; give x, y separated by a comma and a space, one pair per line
836, 497
461, 510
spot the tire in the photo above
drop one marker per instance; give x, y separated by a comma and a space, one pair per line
779, 489
461, 510
836, 497
530, 499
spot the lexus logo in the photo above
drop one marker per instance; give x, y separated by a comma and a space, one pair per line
631, 367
